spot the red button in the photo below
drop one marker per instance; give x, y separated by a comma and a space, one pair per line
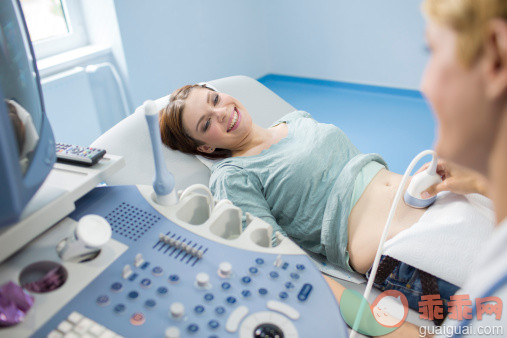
137, 319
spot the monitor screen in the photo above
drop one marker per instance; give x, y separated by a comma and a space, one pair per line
27, 149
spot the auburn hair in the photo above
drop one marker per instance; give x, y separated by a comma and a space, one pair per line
172, 130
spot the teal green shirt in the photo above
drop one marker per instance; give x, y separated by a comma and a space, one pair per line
303, 185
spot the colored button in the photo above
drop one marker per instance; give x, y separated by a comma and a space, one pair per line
157, 271
103, 300
283, 295
285, 265
274, 274
174, 279
162, 291
133, 277
220, 310
213, 324
226, 286
133, 294
246, 293
253, 270
137, 319
294, 276
231, 300
246, 280
199, 309
263, 291
289, 285
145, 265
193, 328
300, 267
120, 308
208, 297
145, 283
259, 261
305, 291
116, 287
150, 303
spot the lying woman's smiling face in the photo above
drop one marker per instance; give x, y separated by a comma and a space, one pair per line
216, 119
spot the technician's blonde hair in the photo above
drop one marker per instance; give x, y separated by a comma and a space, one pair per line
469, 19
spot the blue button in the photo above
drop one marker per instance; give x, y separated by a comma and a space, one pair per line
294, 276
220, 310
120, 308
213, 324
145, 283
208, 297
199, 309
162, 291
300, 267
133, 294
246, 293
246, 280
253, 270
226, 285
103, 300
174, 278
133, 277
213, 336
274, 274
305, 292
289, 285
231, 300
116, 287
263, 291
145, 265
285, 266
150, 303
283, 295
157, 271
259, 261
193, 328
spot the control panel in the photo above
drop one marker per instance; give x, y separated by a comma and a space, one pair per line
182, 271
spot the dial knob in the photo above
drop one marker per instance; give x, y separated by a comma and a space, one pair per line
225, 269
202, 280
172, 332
177, 310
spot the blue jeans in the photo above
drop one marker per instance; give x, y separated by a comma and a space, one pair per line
406, 279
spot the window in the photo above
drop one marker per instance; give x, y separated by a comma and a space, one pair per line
55, 26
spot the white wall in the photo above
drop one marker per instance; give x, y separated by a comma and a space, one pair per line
368, 42
169, 43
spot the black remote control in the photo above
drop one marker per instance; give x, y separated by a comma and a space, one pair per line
78, 155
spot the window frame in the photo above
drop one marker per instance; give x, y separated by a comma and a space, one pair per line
76, 38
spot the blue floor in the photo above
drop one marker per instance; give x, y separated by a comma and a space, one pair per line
395, 123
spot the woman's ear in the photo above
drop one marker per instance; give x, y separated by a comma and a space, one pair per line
205, 149
495, 57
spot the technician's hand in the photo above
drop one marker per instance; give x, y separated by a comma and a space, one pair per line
457, 179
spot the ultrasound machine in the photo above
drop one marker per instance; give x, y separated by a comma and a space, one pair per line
81, 258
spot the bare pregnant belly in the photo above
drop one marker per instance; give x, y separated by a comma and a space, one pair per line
368, 217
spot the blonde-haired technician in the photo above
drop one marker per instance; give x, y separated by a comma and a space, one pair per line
466, 84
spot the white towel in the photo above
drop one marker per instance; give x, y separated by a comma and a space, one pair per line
447, 238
